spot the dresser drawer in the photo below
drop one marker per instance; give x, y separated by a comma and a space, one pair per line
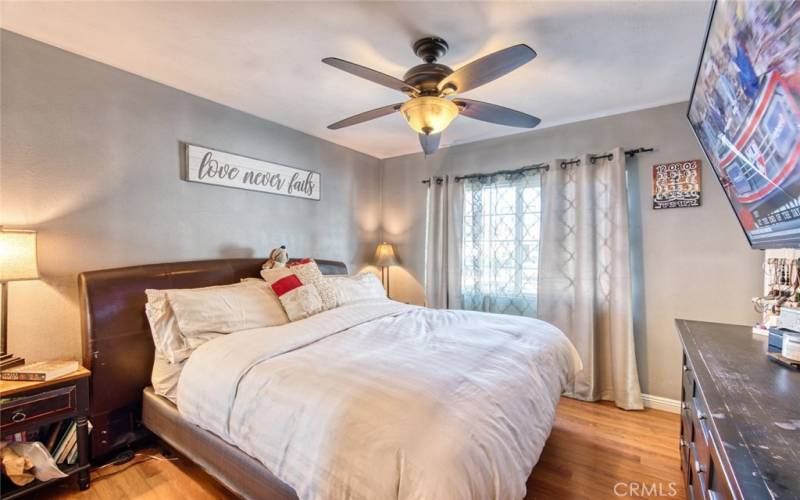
54, 403
698, 484
688, 383
700, 434
719, 487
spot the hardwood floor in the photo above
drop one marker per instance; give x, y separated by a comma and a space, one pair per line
594, 451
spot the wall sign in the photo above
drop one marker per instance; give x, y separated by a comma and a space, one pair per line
210, 166
677, 185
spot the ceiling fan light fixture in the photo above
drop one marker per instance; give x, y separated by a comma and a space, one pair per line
429, 114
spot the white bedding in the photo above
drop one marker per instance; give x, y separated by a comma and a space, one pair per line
384, 400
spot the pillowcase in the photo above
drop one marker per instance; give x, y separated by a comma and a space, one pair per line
359, 288
167, 337
165, 377
225, 309
309, 274
300, 301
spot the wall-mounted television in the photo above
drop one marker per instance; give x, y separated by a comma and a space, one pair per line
745, 111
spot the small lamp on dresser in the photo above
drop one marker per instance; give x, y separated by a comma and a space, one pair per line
385, 259
17, 262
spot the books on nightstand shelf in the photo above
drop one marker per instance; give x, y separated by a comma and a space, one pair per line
40, 371
60, 439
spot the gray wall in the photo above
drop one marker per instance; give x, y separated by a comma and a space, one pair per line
90, 157
690, 263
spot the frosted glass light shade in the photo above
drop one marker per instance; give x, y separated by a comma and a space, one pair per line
384, 255
18, 255
428, 114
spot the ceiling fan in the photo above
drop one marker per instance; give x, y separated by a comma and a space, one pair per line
429, 111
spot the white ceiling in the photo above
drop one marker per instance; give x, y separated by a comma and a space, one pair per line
595, 58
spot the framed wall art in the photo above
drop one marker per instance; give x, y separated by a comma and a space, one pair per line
210, 166
677, 184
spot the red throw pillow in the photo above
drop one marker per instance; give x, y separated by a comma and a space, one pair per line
299, 262
286, 284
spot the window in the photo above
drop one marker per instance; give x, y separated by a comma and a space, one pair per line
501, 244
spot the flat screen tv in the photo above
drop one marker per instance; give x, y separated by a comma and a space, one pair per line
745, 111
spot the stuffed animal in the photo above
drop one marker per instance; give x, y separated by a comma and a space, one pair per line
278, 257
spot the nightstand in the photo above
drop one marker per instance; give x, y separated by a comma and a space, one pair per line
28, 406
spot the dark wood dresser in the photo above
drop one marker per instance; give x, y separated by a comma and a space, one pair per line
740, 416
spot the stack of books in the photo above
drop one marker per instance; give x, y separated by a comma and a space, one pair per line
9, 360
60, 439
40, 371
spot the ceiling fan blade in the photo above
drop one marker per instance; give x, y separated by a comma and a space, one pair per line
371, 75
493, 113
429, 143
365, 116
486, 69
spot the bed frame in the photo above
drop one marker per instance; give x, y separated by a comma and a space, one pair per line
118, 348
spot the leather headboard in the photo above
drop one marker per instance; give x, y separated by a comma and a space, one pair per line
117, 344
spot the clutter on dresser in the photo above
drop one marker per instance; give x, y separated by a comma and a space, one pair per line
783, 344
782, 277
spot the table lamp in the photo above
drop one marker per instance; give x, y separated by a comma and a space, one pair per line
385, 258
17, 262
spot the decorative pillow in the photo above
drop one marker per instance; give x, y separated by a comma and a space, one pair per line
309, 274
359, 288
272, 275
300, 301
225, 309
286, 284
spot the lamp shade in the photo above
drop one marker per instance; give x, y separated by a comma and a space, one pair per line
18, 255
384, 255
429, 114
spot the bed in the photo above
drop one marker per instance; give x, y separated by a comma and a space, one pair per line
374, 400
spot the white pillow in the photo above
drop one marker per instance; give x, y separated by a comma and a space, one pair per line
359, 288
167, 337
165, 377
302, 302
225, 309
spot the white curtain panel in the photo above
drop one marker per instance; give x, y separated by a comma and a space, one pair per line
443, 243
584, 274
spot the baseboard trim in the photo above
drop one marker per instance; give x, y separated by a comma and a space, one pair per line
659, 403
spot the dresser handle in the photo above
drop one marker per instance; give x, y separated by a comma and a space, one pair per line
684, 405
18, 417
698, 467
685, 368
683, 442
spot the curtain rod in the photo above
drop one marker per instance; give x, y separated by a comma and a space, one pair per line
542, 166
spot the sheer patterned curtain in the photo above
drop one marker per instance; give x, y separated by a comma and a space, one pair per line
584, 283
442, 243
500, 245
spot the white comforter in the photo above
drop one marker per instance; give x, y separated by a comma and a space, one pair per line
385, 400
